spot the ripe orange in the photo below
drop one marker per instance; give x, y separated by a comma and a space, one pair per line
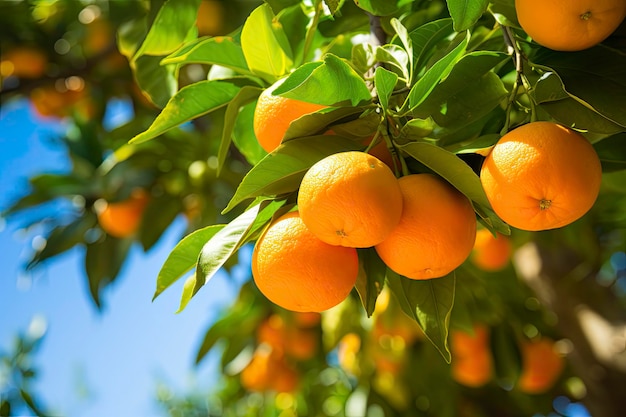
541, 366
23, 62
436, 231
122, 219
491, 253
299, 272
472, 363
541, 176
350, 199
268, 370
296, 342
570, 25
273, 115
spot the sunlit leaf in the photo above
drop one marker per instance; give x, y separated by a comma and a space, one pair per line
265, 45
243, 97
183, 257
379, 7
328, 82
466, 13
189, 103
219, 50
425, 37
440, 70
384, 81
429, 303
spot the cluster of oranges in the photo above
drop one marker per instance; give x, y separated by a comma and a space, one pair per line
538, 176
420, 226
473, 364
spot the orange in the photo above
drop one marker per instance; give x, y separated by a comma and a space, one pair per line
296, 342
273, 115
350, 199
472, 363
23, 62
122, 219
436, 231
541, 176
491, 253
299, 272
541, 366
268, 370
570, 25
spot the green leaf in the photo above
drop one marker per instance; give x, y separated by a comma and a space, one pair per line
429, 303
170, 28
103, 262
371, 278
550, 93
265, 45
425, 37
330, 82
405, 39
189, 103
217, 250
244, 138
379, 7
612, 152
63, 238
595, 76
158, 82
183, 257
333, 5
466, 13
461, 82
439, 71
319, 122
281, 171
243, 97
157, 218
507, 357
384, 81
219, 50
450, 167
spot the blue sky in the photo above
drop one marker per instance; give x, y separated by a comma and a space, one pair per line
95, 363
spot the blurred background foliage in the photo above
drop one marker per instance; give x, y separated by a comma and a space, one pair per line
69, 59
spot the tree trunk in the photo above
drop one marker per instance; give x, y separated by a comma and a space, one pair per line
589, 316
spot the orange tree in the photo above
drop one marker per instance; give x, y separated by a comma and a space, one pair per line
438, 84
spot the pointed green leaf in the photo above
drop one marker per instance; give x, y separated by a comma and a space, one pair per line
425, 37
244, 138
183, 257
281, 171
371, 278
221, 246
330, 82
439, 71
384, 81
429, 303
170, 28
317, 123
219, 50
63, 238
405, 39
189, 103
158, 82
265, 45
103, 262
466, 13
333, 5
243, 97
379, 7
612, 152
